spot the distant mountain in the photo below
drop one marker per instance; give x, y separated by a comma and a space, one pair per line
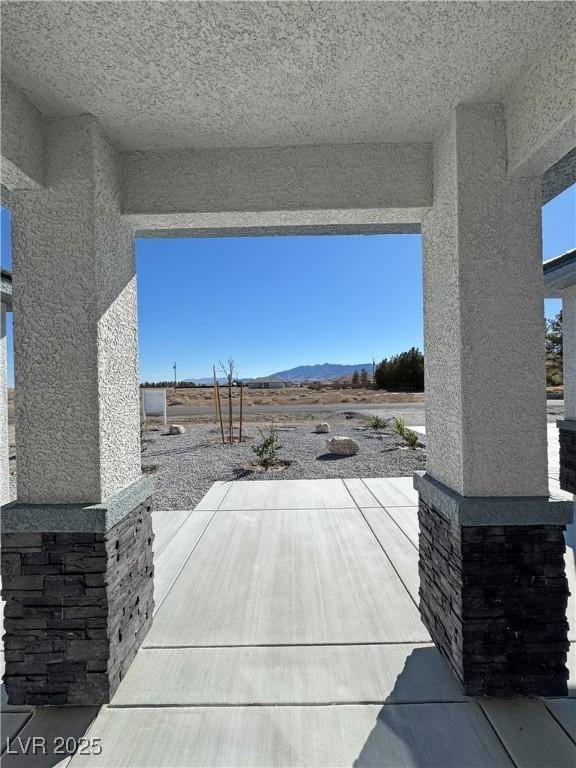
320, 372
208, 380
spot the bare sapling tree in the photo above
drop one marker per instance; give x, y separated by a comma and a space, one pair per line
218, 405
241, 385
228, 371
214, 393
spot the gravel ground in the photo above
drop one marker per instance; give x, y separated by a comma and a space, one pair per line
184, 467
188, 464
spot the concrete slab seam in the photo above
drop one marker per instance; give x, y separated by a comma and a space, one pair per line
175, 579
378, 540
388, 556
159, 552
402, 531
24, 722
195, 545
559, 722
370, 492
495, 731
286, 645
257, 704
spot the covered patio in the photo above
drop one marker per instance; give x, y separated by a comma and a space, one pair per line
287, 632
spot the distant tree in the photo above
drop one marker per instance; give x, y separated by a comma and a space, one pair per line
404, 371
364, 377
167, 384
554, 350
355, 378
554, 335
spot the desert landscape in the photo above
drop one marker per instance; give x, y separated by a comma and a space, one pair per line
184, 466
303, 395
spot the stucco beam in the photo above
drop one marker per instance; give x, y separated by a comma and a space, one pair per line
541, 109
21, 141
326, 177
265, 223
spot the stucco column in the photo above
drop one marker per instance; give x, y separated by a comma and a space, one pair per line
76, 371
483, 316
567, 426
494, 605
4, 442
77, 544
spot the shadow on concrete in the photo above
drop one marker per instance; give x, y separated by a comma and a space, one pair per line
439, 730
49, 737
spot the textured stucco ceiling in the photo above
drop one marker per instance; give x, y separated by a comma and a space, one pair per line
208, 74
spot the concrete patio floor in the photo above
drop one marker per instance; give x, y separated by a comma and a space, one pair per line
287, 633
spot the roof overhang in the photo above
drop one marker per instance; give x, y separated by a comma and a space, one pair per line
6, 288
559, 274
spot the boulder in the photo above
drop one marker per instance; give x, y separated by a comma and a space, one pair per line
322, 428
176, 429
342, 446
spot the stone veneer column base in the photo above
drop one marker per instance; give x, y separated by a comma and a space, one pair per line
78, 602
567, 430
494, 597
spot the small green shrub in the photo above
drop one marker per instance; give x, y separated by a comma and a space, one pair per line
412, 439
378, 424
400, 426
267, 450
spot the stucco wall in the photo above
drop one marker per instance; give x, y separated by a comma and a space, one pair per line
442, 333
22, 140
117, 330
484, 328
282, 178
541, 107
502, 309
75, 326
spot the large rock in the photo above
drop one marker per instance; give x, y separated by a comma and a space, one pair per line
342, 446
176, 429
322, 428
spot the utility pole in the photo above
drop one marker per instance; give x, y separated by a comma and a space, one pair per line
373, 370
174, 377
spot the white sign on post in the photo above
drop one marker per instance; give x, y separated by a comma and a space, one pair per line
154, 403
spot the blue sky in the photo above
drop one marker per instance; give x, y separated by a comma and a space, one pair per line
272, 303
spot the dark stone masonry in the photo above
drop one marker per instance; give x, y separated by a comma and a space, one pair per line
567, 458
78, 606
494, 600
